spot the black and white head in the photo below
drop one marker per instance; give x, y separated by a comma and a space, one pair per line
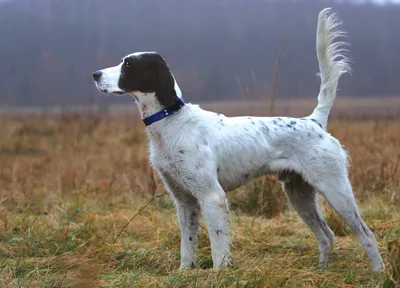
145, 75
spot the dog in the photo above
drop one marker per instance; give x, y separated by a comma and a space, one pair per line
200, 155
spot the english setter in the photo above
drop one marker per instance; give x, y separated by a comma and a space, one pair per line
200, 155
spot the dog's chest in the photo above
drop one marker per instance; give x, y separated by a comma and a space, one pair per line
161, 155
172, 155
182, 165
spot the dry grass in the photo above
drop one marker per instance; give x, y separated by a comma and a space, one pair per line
70, 183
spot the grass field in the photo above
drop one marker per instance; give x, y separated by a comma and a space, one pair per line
70, 182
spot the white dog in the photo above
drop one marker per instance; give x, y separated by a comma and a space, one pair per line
200, 155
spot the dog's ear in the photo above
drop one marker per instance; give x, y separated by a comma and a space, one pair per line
164, 84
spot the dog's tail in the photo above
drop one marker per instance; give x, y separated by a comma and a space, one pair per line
332, 63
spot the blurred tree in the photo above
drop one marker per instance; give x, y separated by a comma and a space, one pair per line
208, 44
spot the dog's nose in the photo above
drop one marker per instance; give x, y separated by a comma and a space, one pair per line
97, 75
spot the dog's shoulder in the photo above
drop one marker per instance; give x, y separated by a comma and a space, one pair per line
180, 138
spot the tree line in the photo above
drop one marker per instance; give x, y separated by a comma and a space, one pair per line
218, 50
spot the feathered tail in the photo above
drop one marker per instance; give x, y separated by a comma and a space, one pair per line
332, 63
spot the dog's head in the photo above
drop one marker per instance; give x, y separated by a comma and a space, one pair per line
140, 74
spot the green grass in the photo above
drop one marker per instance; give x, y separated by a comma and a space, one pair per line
54, 250
69, 184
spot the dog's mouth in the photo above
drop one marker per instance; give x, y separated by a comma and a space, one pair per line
107, 91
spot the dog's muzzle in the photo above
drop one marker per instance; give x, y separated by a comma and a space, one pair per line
107, 80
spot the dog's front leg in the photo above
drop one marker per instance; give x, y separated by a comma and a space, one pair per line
188, 212
215, 209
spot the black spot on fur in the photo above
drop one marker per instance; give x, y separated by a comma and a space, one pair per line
252, 122
205, 142
288, 125
293, 122
264, 127
275, 122
309, 134
246, 129
321, 136
181, 151
218, 231
190, 239
315, 121
218, 169
246, 176
192, 265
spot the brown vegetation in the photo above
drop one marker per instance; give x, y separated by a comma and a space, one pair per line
69, 183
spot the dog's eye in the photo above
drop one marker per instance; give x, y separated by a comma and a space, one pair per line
127, 64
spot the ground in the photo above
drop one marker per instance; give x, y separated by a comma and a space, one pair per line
71, 182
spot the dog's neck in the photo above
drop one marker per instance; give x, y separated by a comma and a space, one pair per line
149, 104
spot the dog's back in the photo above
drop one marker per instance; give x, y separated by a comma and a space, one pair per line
200, 155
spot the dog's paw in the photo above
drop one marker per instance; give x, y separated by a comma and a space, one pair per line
378, 268
324, 260
187, 265
226, 261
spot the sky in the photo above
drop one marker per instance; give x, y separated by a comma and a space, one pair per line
384, 1
376, 1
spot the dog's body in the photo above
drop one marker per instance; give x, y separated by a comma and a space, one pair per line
200, 155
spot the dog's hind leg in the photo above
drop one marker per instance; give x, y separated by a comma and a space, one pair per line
303, 198
333, 183
340, 196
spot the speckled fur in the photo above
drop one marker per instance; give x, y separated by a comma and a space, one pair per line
200, 155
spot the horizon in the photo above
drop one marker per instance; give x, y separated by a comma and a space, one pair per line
205, 47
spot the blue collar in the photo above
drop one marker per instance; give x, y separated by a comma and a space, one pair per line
171, 110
